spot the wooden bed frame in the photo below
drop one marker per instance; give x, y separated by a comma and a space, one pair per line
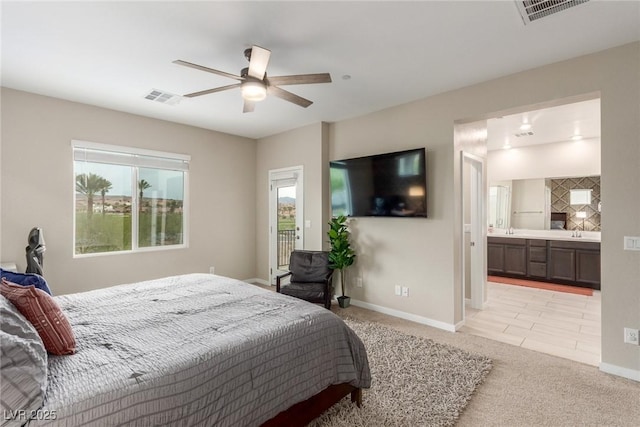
303, 413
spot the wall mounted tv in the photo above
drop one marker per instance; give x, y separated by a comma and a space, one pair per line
390, 184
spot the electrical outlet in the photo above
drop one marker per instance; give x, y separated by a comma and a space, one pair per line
212, 270
398, 290
358, 282
405, 291
631, 336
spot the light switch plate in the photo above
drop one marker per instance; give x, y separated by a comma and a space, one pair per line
631, 243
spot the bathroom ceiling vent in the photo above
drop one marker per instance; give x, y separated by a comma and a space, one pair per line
532, 10
521, 134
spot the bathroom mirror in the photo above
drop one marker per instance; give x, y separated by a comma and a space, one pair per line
534, 203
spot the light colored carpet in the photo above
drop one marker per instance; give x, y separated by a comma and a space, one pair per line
416, 381
526, 388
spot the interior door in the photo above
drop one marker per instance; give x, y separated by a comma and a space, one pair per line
285, 218
474, 259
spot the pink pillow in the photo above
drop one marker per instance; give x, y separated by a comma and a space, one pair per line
44, 313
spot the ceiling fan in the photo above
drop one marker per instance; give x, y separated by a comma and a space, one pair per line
254, 83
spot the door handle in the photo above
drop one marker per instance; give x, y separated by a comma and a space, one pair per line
473, 243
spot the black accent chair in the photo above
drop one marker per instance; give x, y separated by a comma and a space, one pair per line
311, 277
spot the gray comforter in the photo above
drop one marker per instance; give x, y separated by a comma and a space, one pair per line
196, 350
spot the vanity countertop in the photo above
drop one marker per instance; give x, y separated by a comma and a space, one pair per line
587, 236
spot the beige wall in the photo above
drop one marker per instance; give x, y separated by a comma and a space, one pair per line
38, 185
306, 147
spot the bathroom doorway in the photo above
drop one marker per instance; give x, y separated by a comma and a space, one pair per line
531, 149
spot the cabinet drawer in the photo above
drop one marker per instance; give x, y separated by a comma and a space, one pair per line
538, 269
538, 254
513, 241
575, 244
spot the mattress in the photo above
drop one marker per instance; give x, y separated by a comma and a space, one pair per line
195, 350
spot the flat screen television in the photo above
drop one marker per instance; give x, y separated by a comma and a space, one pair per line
390, 184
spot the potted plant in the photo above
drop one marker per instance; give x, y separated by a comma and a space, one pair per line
341, 255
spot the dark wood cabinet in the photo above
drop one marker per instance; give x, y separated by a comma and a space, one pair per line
570, 262
588, 267
515, 259
562, 264
575, 262
495, 258
507, 256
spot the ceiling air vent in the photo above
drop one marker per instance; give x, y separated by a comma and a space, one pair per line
163, 97
521, 134
532, 10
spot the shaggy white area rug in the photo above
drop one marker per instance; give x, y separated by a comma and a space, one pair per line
415, 381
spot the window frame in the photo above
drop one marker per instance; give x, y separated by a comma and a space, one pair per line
134, 153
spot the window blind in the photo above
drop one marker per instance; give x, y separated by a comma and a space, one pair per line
112, 154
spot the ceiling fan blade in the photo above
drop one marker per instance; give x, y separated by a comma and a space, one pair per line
207, 69
214, 90
258, 62
300, 79
248, 107
288, 96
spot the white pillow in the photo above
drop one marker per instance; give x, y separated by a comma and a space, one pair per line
24, 366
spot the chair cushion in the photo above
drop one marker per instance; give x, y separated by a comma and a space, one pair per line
306, 291
309, 266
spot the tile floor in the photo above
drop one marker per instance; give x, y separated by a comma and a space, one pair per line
558, 323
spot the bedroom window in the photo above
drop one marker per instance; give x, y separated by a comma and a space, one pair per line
128, 199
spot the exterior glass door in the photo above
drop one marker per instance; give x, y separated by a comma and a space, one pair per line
285, 218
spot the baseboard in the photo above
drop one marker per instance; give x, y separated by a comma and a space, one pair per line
403, 315
459, 325
631, 374
467, 303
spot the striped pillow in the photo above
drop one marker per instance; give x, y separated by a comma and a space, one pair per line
23, 376
45, 315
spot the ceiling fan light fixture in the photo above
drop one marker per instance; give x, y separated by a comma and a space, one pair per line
254, 91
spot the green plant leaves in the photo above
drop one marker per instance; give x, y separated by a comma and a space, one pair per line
341, 255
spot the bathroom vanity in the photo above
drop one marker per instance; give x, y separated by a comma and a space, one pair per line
547, 256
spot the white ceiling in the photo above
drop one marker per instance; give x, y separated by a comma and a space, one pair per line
111, 54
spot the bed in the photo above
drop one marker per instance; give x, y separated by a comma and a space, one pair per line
200, 349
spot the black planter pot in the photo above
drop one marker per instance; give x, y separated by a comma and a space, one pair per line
344, 302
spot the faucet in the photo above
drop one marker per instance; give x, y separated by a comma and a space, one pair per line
509, 230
